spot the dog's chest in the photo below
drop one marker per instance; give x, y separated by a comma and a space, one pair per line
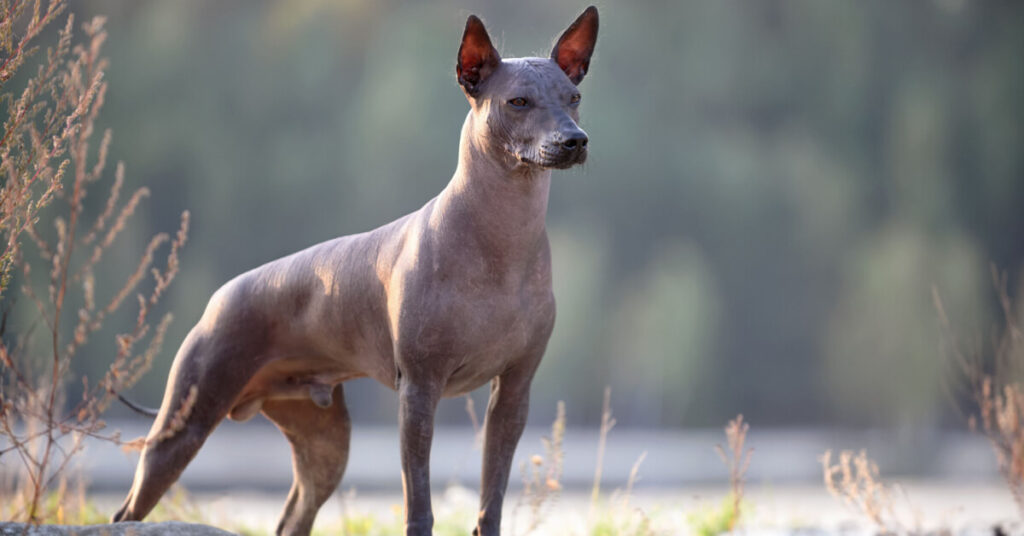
474, 332
494, 337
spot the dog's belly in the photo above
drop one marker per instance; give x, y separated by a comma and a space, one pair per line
294, 378
478, 371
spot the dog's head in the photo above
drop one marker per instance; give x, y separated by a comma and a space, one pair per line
527, 109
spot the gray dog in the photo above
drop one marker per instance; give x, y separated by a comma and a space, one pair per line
434, 304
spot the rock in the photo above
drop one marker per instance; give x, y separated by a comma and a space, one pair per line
128, 528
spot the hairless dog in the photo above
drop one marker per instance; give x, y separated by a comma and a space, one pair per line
434, 304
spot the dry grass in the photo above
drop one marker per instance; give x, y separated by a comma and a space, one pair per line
541, 477
607, 423
616, 517
855, 481
619, 517
737, 459
34, 134
48, 167
990, 377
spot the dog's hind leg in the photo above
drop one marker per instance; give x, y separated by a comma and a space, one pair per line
319, 437
206, 377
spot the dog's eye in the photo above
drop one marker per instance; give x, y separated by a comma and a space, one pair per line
575, 98
519, 102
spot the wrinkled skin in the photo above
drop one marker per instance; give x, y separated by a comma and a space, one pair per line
531, 136
434, 304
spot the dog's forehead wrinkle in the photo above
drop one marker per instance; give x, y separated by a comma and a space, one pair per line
535, 78
542, 68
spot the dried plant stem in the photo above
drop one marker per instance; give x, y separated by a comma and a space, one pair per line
634, 474
478, 432
854, 480
737, 459
992, 378
607, 423
541, 477
44, 151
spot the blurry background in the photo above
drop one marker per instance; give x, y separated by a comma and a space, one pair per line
773, 189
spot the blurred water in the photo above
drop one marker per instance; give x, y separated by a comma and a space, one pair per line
255, 455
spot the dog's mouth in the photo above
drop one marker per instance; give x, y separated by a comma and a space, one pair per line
555, 159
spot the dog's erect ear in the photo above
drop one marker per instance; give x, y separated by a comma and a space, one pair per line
477, 57
572, 51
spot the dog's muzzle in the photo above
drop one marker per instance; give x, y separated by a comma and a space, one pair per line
570, 151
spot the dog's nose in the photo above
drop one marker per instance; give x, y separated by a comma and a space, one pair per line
576, 141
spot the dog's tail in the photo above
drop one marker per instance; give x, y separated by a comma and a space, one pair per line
141, 410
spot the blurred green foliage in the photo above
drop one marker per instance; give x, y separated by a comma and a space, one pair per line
713, 521
773, 189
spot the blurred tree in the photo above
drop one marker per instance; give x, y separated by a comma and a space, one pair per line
824, 163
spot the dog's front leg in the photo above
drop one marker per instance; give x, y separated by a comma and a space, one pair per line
417, 404
506, 417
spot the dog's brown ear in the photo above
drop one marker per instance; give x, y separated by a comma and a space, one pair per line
477, 57
572, 51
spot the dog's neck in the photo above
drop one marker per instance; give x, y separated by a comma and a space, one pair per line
498, 201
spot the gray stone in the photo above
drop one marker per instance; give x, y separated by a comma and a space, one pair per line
130, 528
